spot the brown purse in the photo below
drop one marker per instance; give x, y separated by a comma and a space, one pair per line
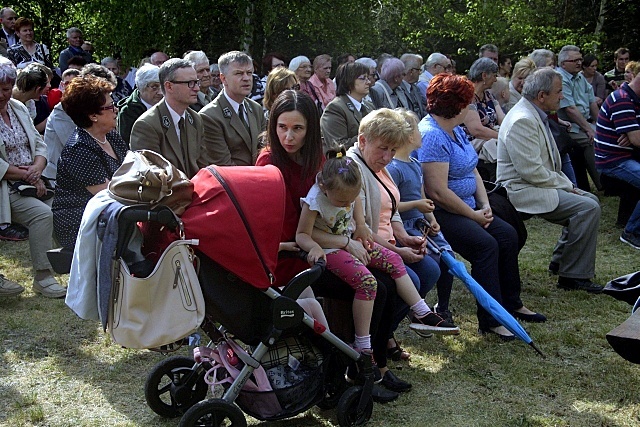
146, 177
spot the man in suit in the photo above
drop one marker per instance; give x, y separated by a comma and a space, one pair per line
170, 127
340, 121
412, 65
232, 122
8, 36
386, 93
529, 165
148, 92
74, 37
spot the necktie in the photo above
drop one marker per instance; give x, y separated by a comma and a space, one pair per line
243, 117
184, 145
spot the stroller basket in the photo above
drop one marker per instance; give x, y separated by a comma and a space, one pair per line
295, 369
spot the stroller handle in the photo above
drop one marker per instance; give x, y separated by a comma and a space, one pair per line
160, 214
294, 288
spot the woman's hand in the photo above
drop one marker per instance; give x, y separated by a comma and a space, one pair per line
315, 254
409, 255
425, 205
41, 190
32, 174
288, 246
483, 216
363, 235
357, 249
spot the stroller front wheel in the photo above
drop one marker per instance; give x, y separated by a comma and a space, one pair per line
172, 387
213, 413
347, 410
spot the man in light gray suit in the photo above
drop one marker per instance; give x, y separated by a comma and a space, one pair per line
529, 165
232, 122
170, 127
386, 93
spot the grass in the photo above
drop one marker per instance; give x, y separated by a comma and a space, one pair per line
58, 370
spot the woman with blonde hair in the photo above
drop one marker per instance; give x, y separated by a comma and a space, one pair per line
631, 71
278, 80
521, 70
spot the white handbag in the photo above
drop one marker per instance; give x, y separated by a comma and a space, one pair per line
160, 309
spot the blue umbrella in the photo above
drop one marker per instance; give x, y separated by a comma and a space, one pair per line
458, 269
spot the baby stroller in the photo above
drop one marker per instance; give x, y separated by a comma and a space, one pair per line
237, 253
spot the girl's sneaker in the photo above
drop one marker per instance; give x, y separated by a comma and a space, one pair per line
431, 322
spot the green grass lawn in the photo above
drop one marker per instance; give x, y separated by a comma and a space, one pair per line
58, 370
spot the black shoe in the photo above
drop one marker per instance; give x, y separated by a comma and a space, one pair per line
579, 285
382, 395
488, 331
393, 383
354, 376
533, 318
14, 233
554, 268
445, 314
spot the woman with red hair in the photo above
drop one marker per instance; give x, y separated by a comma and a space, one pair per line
462, 207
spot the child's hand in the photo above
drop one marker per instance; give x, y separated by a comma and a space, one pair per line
425, 205
363, 235
435, 227
315, 254
288, 246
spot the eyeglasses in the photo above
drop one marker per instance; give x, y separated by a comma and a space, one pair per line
364, 78
295, 87
110, 107
190, 83
415, 69
446, 67
154, 86
575, 61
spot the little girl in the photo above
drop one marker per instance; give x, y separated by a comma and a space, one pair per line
414, 207
333, 205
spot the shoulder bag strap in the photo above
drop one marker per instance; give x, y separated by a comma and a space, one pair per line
233, 199
394, 204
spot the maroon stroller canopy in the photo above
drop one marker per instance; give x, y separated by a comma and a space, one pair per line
248, 248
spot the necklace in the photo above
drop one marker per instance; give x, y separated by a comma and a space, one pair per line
97, 140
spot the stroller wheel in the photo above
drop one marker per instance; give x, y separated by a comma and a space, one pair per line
347, 411
213, 413
173, 386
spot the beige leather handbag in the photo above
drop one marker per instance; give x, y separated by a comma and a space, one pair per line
162, 308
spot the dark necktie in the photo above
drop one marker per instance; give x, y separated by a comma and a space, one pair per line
184, 145
243, 117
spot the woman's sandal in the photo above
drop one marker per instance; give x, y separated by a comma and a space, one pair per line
396, 353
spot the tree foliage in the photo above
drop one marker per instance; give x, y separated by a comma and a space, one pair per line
133, 29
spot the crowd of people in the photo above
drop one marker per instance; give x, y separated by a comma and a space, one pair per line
388, 144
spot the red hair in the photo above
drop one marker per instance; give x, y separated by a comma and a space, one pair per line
448, 95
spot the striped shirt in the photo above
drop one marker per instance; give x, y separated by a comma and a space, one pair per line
619, 114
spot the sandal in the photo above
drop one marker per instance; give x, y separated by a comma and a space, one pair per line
396, 353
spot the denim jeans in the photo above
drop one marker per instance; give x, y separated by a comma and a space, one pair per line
628, 171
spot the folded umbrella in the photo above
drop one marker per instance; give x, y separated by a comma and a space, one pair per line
458, 269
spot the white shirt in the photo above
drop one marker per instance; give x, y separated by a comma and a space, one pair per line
356, 104
176, 118
235, 105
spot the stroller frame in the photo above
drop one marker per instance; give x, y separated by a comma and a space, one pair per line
187, 388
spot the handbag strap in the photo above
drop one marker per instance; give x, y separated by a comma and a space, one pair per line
394, 204
233, 199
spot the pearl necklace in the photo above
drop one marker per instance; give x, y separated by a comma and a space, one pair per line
97, 140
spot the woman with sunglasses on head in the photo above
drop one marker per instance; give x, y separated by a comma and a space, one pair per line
91, 155
341, 119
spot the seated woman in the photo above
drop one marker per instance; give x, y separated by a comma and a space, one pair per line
278, 80
23, 157
27, 51
302, 67
294, 145
32, 83
462, 206
484, 117
504, 66
91, 156
631, 71
521, 70
590, 72
341, 118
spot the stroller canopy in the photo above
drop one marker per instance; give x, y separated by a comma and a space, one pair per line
238, 219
